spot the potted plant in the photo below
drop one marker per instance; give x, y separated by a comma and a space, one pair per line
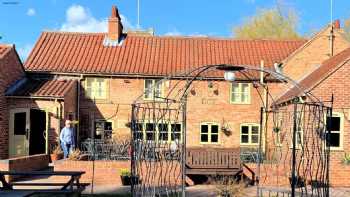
125, 175
127, 179
56, 154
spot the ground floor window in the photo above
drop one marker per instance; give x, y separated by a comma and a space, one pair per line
335, 125
250, 134
209, 133
103, 129
162, 132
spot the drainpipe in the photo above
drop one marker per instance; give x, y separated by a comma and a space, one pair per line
78, 110
59, 117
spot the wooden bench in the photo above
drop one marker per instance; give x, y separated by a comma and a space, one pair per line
213, 161
72, 186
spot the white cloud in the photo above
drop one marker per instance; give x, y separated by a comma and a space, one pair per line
173, 32
31, 12
24, 51
79, 19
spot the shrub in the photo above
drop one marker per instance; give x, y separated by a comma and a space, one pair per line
230, 187
346, 159
74, 155
57, 150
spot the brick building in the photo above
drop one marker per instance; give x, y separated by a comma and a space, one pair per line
94, 78
11, 70
331, 79
115, 68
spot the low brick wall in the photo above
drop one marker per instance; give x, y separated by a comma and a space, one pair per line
108, 172
271, 175
25, 163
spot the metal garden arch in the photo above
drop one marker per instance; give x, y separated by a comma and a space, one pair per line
159, 168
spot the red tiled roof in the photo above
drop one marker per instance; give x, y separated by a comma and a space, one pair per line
4, 49
145, 55
41, 88
317, 76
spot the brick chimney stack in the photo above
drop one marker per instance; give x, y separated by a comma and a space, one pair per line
336, 24
115, 27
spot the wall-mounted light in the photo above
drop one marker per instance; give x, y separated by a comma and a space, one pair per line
229, 70
229, 76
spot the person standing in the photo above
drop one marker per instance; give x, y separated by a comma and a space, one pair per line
67, 138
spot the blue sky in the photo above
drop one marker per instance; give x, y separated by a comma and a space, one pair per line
22, 23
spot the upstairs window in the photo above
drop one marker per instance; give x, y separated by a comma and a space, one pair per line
250, 134
96, 88
153, 89
240, 93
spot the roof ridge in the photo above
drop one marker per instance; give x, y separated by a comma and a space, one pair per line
179, 36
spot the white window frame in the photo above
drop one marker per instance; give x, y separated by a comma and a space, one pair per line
209, 124
157, 132
250, 135
94, 88
299, 133
154, 82
103, 134
341, 132
240, 91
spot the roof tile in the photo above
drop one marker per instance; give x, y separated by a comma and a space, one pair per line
144, 55
42, 88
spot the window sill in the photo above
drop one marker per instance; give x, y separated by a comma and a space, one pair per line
210, 143
233, 103
340, 149
249, 144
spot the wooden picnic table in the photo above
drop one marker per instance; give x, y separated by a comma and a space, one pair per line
66, 187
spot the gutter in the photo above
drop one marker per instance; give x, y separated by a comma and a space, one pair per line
140, 76
36, 97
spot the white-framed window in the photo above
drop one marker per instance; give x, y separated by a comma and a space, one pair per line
335, 126
153, 89
164, 132
96, 88
299, 131
103, 129
209, 133
250, 133
240, 93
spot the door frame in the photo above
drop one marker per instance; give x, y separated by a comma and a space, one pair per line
11, 143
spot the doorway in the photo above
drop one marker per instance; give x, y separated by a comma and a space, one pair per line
37, 139
27, 132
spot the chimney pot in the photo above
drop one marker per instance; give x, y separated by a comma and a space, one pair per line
336, 24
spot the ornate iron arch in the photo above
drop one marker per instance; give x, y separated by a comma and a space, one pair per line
159, 131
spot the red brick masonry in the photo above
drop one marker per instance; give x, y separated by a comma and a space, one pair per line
108, 172
26, 163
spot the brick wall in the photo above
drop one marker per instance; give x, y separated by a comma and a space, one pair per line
338, 84
27, 163
203, 106
108, 172
11, 70
313, 54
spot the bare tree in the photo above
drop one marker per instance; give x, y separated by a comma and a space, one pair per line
269, 24
347, 28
